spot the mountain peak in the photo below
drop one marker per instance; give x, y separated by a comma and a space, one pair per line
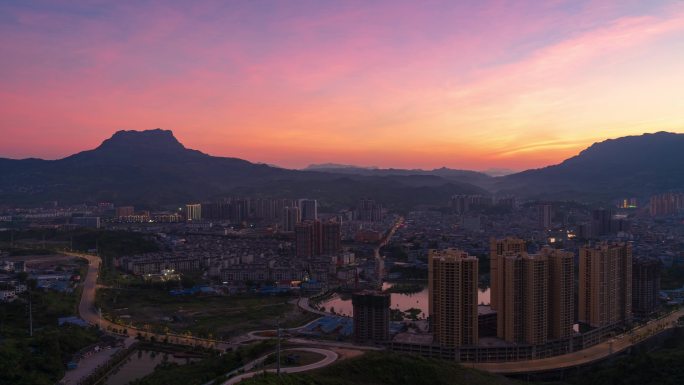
153, 140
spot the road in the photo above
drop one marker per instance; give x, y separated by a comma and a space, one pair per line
586, 356
90, 314
303, 303
330, 357
598, 352
386, 238
88, 365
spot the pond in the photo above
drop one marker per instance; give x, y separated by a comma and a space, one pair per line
140, 364
341, 303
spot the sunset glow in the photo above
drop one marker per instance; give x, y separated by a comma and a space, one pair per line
468, 85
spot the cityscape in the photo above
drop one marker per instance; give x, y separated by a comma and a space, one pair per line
341, 192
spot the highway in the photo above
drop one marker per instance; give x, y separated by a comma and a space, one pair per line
583, 357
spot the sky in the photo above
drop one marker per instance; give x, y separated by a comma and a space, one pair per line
416, 84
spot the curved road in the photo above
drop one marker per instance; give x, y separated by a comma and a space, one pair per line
89, 313
595, 353
330, 357
586, 356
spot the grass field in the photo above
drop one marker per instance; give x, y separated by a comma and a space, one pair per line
204, 316
293, 358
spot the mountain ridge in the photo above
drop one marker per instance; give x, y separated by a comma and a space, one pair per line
153, 167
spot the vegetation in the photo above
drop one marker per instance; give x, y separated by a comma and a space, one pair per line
406, 288
208, 369
662, 367
410, 273
672, 278
395, 252
376, 368
47, 308
211, 316
41, 359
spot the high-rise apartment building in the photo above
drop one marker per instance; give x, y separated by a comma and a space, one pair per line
215, 210
193, 212
666, 204
238, 210
533, 293
462, 204
452, 281
497, 249
645, 286
561, 307
601, 220
125, 211
308, 239
290, 217
309, 208
264, 208
368, 210
313, 238
371, 316
332, 238
605, 284
523, 313
544, 214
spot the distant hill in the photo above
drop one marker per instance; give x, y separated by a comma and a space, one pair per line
498, 171
628, 166
335, 166
152, 168
461, 176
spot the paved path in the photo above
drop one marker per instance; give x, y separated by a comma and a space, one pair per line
585, 356
303, 304
329, 355
88, 365
89, 313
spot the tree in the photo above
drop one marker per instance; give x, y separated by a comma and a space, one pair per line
22, 276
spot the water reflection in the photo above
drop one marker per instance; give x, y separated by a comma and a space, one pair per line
341, 303
139, 365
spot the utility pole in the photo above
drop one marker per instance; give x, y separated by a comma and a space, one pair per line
30, 316
278, 348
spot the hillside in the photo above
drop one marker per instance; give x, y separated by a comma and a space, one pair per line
461, 176
374, 368
629, 166
151, 168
